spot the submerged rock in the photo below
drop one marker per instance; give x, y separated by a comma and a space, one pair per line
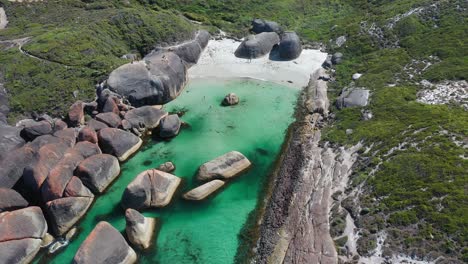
98, 171
119, 143
290, 47
256, 46
139, 229
166, 167
150, 189
111, 119
226, 166
230, 99
203, 191
170, 126
156, 80
104, 245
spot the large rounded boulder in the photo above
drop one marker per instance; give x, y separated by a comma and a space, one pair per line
170, 126
98, 171
145, 116
11, 200
260, 26
158, 79
10, 139
119, 143
139, 229
290, 47
104, 245
150, 189
226, 166
256, 46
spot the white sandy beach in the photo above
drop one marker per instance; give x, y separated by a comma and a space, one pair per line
218, 61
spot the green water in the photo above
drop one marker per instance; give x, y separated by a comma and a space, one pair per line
203, 232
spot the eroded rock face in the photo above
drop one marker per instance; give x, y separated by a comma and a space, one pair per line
104, 245
98, 171
119, 143
256, 46
139, 229
170, 126
11, 200
158, 79
260, 25
226, 166
356, 97
203, 191
146, 116
290, 47
65, 212
150, 189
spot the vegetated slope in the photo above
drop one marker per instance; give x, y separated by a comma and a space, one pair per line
409, 186
72, 45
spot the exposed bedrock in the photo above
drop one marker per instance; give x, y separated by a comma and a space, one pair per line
145, 116
170, 126
105, 245
11, 200
98, 171
226, 166
190, 51
21, 234
260, 26
119, 143
150, 189
158, 79
256, 46
290, 47
139, 229
203, 191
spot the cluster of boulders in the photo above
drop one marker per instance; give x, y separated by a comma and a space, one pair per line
61, 164
268, 35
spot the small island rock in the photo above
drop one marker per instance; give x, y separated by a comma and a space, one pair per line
203, 191
226, 166
139, 229
170, 126
230, 99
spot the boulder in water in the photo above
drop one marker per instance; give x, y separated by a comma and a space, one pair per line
145, 116
230, 99
98, 171
226, 166
170, 126
150, 189
104, 245
256, 46
203, 191
139, 229
119, 143
290, 47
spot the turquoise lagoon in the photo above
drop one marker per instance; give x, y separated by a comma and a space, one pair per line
203, 232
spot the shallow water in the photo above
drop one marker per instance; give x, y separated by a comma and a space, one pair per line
203, 232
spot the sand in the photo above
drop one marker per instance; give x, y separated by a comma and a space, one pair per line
3, 18
218, 61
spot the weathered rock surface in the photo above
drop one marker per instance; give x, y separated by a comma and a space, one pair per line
98, 171
12, 166
260, 25
203, 37
33, 130
24, 223
63, 213
119, 143
76, 114
87, 149
226, 166
139, 229
10, 139
111, 105
96, 125
256, 46
11, 200
88, 134
67, 135
203, 191
337, 58
318, 101
353, 97
111, 119
105, 245
290, 47
150, 189
166, 167
170, 126
75, 188
145, 116
19, 251
156, 80
230, 99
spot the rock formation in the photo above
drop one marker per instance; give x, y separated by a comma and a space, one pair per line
256, 46
111, 119
203, 191
226, 166
166, 167
11, 200
260, 26
10, 139
105, 245
65, 212
290, 47
119, 143
139, 229
98, 171
230, 99
353, 97
150, 189
76, 114
170, 126
146, 116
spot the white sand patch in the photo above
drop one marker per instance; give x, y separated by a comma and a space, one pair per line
3, 18
218, 61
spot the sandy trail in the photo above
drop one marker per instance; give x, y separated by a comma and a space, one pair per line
218, 61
